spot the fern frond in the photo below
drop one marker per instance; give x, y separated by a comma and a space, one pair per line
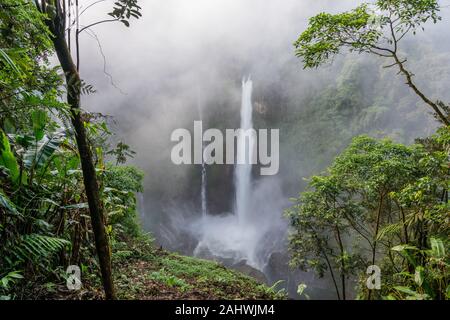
34, 247
389, 230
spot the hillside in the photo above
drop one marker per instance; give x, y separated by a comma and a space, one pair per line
143, 272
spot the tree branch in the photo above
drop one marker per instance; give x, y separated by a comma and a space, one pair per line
410, 83
96, 23
77, 36
92, 4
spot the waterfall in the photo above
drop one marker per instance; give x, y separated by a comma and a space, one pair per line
203, 190
239, 237
204, 181
243, 171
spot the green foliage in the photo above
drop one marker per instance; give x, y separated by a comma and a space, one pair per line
377, 194
368, 28
362, 99
7, 158
8, 62
44, 218
430, 279
39, 120
25, 228
7, 281
144, 272
170, 280
327, 33
121, 185
126, 178
380, 193
411, 14
26, 77
35, 248
39, 152
378, 33
122, 151
125, 9
7, 205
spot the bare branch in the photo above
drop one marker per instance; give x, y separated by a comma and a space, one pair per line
410, 82
77, 38
404, 34
96, 23
91, 5
394, 38
379, 54
91, 33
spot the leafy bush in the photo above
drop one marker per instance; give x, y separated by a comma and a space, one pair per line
170, 280
121, 185
376, 195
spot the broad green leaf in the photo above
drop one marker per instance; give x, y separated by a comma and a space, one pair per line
405, 290
403, 247
437, 248
7, 158
39, 119
37, 155
419, 276
15, 275
6, 203
404, 250
8, 61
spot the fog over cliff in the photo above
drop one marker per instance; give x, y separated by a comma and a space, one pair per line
185, 59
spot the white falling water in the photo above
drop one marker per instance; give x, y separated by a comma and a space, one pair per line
204, 183
245, 146
203, 191
247, 234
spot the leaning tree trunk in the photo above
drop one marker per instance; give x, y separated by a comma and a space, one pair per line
89, 175
73, 81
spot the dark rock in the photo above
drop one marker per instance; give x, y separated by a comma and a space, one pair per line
244, 268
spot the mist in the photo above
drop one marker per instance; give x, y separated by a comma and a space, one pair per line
186, 56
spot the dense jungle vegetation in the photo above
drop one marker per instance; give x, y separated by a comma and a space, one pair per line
380, 203
55, 210
68, 197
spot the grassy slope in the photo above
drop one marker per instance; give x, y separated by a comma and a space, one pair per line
143, 272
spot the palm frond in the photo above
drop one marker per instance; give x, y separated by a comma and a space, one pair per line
33, 247
37, 155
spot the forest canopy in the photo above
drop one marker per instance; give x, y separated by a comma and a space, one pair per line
377, 199
380, 203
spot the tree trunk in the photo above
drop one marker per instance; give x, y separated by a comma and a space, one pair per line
343, 272
331, 273
77, 239
73, 82
409, 81
377, 228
